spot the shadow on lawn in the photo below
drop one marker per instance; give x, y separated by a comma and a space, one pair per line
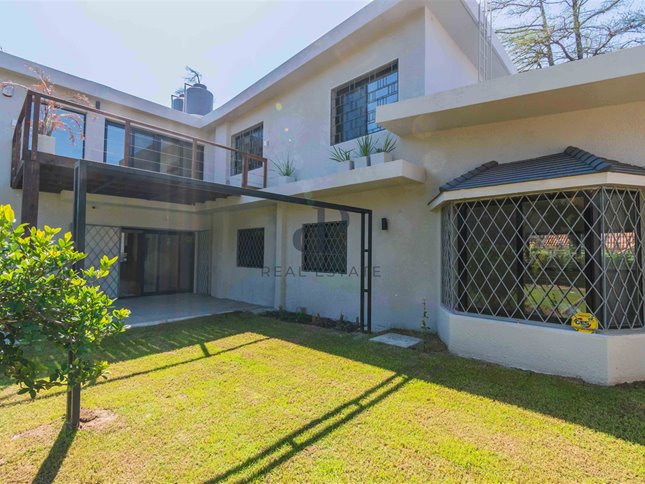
618, 410
51, 465
202, 345
276, 454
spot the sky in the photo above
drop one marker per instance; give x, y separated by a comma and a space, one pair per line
143, 47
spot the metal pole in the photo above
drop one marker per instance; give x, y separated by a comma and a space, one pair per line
78, 232
362, 314
369, 271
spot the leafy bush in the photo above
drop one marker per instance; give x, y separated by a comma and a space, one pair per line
45, 299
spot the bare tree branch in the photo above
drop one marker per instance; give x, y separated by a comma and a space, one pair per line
540, 33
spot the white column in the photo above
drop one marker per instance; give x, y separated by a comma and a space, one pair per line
281, 262
221, 156
94, 137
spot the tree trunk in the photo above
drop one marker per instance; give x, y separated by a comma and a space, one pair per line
575, 7
547, 32
73, 414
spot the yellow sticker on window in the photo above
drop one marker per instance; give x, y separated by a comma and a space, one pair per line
584, 322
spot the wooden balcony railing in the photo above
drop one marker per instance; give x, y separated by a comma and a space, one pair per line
26, 134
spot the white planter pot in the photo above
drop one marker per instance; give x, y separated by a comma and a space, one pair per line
362, 162
283, 180
379, 158
46, 144
345, 166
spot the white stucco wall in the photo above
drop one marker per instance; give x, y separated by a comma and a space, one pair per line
242, 283
408, 255
298, 121
447, 67
605, 359
400, 264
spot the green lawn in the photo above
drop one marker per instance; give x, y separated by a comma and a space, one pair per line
242, 397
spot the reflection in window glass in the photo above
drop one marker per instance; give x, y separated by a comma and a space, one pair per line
354, 104
152, 151
248, 141
70, 138
114, 143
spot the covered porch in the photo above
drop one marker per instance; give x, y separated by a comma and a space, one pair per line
151, 270
154, 310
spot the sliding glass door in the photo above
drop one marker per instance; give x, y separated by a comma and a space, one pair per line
166, 265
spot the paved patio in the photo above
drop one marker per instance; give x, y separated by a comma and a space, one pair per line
153, 310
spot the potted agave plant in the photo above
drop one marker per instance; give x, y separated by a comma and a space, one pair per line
342, 157
365, 147
286, 169
383, 153
53, 116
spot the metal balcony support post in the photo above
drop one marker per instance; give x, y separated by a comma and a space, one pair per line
127, 144
31, 170
30, 192
193, 164
245, 171
78, 232
369, 271
362, 313
35, 128
27, 128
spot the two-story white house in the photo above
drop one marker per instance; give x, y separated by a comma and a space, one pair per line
510, 202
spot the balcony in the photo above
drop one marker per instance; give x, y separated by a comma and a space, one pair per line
124, 142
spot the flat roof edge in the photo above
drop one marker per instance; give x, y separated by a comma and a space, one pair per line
604, 68
94, 89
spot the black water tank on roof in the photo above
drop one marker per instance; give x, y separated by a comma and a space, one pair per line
199, 100
178, 103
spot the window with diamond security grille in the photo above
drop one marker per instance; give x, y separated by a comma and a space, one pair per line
548, 256
104, 241
324, 247
250, 248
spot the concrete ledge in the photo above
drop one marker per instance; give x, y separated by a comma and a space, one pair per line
384, 175
603, 80
604, 359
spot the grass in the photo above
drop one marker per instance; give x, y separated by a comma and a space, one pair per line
242, 397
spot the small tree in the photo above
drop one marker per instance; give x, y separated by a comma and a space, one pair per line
44, 298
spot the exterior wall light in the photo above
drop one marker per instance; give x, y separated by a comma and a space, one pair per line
383, 223
7, 90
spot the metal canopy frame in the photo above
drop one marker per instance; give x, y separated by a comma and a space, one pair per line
82, 176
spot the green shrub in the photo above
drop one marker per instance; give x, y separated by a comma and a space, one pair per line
44, 299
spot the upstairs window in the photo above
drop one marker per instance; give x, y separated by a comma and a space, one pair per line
250, 248
247, 141
354, 104
324, 247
